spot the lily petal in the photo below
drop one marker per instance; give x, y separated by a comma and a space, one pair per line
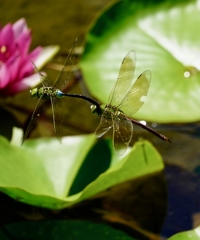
27, 67
23, 42
25, 83
19, 27
4, 76
16, 68
6, 42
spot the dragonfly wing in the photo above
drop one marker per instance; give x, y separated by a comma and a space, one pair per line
132, 101
39, 109
122, 133
124, 79
58, 116
65, 74
106, 123
43, 79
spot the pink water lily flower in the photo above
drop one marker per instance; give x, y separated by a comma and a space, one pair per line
16, 68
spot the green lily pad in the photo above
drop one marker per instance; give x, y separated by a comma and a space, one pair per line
45, 173
165, 36
188, 235
59, 229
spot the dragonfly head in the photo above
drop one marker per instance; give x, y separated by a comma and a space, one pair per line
96, 110
34, 93
93, 109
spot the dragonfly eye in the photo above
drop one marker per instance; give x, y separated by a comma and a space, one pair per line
93, 109
34, 93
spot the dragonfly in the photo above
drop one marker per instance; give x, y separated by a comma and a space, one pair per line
54, 94
124, 101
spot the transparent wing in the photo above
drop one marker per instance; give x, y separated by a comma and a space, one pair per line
39, 109
65, 74
124, 79
106, 123
132, 101
58, 116
122, 133
43, 79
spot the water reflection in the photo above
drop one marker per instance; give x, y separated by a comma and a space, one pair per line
190, 71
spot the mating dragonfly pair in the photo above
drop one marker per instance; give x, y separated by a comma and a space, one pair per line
124, 102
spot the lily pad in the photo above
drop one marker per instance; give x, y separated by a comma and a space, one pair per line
44, 172
165, 36
188, 235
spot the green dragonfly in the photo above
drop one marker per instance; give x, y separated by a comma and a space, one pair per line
124, 101
54, 94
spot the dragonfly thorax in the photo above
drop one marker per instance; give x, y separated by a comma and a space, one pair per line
107, 110
113, 110
46, 93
